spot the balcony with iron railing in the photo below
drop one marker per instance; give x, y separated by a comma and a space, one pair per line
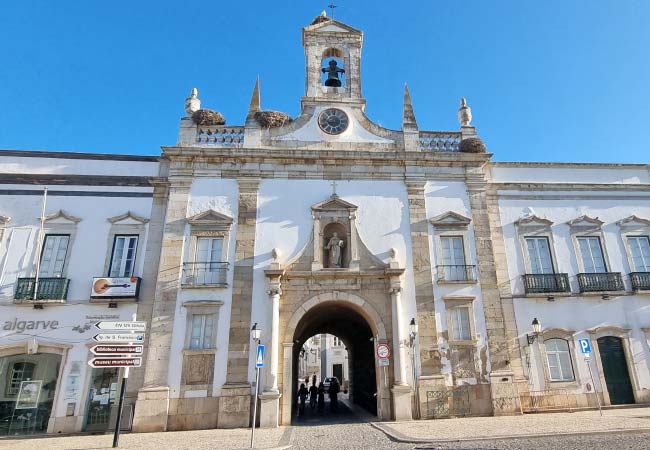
205, 274
49, 290
456, 274
601, 282
640, 281
547, 283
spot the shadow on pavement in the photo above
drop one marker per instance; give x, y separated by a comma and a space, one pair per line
326, 416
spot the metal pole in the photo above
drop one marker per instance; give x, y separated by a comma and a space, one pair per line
39, 244
257, 384
118, 422
416, 388
600, 409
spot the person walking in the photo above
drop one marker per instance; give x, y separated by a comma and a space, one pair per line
321, 396
313, 395
333, 392
302, 394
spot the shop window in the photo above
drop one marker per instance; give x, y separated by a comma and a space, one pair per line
20, 371
558, 358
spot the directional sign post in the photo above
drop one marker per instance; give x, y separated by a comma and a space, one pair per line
259, 363
585, 348
121, 326
116, 349
115, 362
119, 337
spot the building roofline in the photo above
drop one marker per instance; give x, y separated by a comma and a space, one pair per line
77, 155
568, 165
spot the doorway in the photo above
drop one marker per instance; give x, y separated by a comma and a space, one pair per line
101, 399
355, 335
617, 376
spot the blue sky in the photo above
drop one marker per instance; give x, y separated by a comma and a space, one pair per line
552, 80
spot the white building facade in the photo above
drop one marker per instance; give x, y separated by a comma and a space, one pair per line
328, 223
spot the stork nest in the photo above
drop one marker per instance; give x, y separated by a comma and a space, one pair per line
208, 117
272, 119
472, 145
320, 19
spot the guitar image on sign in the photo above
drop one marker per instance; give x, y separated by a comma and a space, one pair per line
102, 285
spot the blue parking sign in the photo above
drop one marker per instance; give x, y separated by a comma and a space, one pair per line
585, 345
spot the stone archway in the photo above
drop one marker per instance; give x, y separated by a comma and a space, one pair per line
356, 322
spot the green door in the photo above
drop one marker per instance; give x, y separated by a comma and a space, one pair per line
337, 371
617, 377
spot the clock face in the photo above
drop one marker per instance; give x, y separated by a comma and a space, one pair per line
333, 121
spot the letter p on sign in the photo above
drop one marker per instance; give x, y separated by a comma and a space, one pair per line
585, 345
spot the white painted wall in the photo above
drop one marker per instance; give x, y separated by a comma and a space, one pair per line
35, 165
569, 173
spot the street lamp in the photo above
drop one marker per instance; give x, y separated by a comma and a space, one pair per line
256, 333
537, 329
413, 332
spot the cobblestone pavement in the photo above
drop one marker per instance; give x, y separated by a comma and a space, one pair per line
363, 436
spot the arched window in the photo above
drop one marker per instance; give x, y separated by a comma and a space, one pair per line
558, 358
333, 70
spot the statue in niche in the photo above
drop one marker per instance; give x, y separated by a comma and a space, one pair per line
334, 246
332, 72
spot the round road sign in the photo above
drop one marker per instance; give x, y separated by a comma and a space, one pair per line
383, 351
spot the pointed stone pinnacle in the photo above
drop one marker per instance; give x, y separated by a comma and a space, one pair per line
408, 120
256, 102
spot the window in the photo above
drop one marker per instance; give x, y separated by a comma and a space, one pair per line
202, 331
559, 360
539, 253
592, 254
208, 268
640, 250
337, 342
20, 371
453, 258
460, 328
55, 248
123, 258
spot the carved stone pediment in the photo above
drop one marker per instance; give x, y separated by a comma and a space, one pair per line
128, 218
210, 219
533, 221
450, 219
633, 222
334, 203
585, 222
331, 26
61, 217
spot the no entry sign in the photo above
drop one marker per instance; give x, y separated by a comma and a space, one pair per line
383, 351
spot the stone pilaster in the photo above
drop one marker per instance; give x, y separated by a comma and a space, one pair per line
234, 405
152, 406
497, 300
426, 317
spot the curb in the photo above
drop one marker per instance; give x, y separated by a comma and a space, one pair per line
396, 436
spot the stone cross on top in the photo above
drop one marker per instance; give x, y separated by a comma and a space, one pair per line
333, 184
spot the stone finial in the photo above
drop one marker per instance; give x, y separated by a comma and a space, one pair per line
392, 253
275, 253
464, 113
256, 100
192, 103
408, 120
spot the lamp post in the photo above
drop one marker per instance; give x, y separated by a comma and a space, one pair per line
413, 332
256, 334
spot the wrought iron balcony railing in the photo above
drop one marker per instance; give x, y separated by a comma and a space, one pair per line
640, 281
600, 282
547, 283
205, 274
455, 273
48, 289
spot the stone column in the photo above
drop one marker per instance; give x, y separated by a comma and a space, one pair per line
401, 390
152, 406
270, 398
497, 299
235, 401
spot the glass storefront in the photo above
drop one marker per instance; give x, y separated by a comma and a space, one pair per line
27, 387
102, 399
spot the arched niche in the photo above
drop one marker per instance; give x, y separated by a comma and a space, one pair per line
341, 59
330, 216
342, 233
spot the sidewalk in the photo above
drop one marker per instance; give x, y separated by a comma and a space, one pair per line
529, 425
173, 440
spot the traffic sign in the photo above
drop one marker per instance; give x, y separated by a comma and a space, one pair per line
121, 326
119, 337
115, 362
383, 351
259, 362
384, 362
108, 349
585, 345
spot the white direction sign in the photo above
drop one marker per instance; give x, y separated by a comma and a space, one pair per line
115, 362
116, 349
121, 326
119, 337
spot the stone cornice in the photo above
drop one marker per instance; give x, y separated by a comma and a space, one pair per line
616, 187
343, 273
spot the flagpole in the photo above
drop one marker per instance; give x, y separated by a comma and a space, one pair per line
39, 244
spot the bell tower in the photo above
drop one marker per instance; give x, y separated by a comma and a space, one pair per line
333, 58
